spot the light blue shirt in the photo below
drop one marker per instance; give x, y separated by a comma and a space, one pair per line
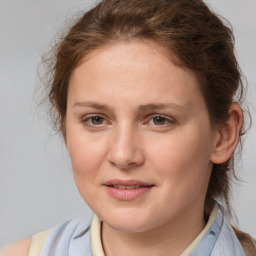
72, 238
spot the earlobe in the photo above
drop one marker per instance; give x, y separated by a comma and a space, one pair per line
63, 132
228, 135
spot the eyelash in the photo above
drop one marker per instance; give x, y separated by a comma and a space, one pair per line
88, 120
167, 120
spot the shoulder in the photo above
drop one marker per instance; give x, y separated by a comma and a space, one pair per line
247, 242
68, 235
20, 248
72, 236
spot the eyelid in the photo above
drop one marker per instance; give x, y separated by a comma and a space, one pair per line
169, 119
84, 119
149, 118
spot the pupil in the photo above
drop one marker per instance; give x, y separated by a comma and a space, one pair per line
159, 120
97, 120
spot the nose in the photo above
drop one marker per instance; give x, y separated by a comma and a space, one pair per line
125, 150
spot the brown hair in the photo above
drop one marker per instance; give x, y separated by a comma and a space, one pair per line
196, 39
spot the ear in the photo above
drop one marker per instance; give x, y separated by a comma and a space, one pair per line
228, 135
63, 131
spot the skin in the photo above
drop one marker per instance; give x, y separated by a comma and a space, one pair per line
121, 85
20, 248
152, 125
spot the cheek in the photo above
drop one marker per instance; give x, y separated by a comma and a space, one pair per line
86, 161
191, 148
86, 155
183, 160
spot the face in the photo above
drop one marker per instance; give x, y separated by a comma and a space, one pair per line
139, 137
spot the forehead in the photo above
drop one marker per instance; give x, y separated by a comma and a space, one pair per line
137, 70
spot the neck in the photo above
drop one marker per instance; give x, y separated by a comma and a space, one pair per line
174, 237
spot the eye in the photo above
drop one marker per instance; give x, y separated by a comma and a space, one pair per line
96, 120
159, 120
93, 120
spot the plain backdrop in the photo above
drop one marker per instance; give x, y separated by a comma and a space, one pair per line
37, 190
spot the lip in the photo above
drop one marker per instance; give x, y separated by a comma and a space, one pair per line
127, 183
127, 194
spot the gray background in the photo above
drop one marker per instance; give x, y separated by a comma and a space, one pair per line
37, 190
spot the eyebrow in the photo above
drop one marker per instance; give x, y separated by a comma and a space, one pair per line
151, 106
141, 108
90, 105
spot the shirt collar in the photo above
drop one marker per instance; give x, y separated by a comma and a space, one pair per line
97, 248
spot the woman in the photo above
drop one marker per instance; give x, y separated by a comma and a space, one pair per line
146, 95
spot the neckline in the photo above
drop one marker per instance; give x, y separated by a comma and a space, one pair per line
96, 243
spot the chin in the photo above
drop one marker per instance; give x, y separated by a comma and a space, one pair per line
130, 222
129, 227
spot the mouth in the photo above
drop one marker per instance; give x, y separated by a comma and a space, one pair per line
126, 187
127, 190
